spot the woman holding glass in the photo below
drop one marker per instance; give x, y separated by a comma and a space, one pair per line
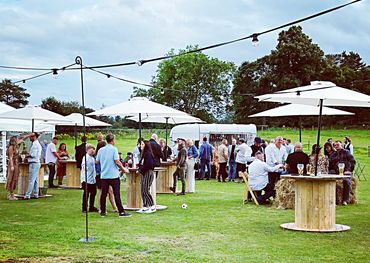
61, 167
13, 169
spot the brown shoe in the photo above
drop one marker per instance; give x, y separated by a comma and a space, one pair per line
173, 189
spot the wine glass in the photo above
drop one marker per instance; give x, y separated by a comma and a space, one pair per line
341, 168
300, 168
23, 156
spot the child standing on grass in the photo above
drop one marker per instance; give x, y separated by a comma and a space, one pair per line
88, 166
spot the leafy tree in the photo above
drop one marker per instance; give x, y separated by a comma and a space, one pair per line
194, 83
13, 94
63, 107
296, 61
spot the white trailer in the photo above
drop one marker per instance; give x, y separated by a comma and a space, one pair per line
214, 132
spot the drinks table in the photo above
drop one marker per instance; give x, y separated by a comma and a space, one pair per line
23, 179
315, 203
133, 191
165, 177
73, 175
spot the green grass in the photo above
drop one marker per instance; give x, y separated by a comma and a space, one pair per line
215, 228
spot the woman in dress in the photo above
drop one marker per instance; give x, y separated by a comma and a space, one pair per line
61, 167
323, 161
13, 169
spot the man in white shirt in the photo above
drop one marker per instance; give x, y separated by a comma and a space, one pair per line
34, 158
275, 154
51, 157
348, 144
243, 156
258, 178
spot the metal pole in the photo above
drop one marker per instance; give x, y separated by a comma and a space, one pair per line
75, 135
33, 125
318, 137
139, 125
300, 129
166, 129
78, 61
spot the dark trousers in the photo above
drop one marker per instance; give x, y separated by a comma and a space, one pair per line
223, 172
115, 183
203, 164
146, 182
240, 167
88, 195
180, 172
51, 174
346, 189
273, 178
269, 191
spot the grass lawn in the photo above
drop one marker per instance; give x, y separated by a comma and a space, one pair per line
216, 227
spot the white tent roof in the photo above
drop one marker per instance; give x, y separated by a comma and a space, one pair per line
77, 119
299, 110
171, 120
331, 94
5, 108
138, 105
25, 126
33, 113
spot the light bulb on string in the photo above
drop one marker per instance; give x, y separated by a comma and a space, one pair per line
55, 73
162, 91
255, 40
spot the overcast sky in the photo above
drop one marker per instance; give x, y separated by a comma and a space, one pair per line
51, 34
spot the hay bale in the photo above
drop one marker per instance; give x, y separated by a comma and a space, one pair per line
352, 193
285, 194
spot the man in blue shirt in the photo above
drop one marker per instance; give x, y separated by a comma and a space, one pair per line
205, 153
111, 169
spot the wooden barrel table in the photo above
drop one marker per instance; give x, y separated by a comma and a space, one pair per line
315, 203
73, 175
24, 176
133, 191
165, 177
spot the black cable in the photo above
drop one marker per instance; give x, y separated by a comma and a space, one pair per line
108, 75
254, 36
50, 71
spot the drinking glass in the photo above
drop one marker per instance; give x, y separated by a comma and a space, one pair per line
300, 168
341, 168
309, 168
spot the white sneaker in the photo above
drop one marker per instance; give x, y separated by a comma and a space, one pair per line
154, 208
142, 210
149, 211
345, 203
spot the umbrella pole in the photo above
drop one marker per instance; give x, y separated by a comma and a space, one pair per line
166, 129
139, 125
318, 137
75, 135
33, 125
300, 129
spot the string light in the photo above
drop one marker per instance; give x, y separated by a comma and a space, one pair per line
162, 91
55, 73
255, 40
